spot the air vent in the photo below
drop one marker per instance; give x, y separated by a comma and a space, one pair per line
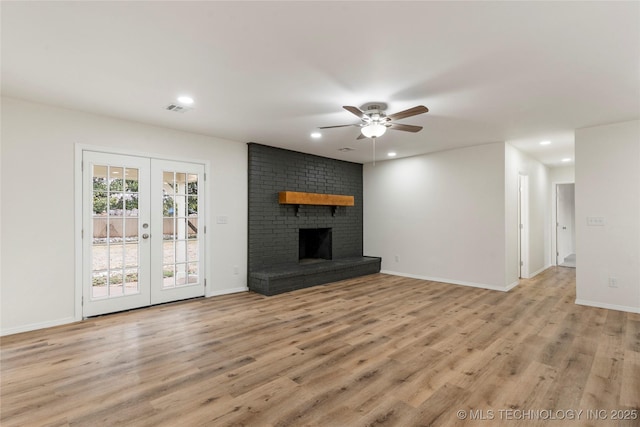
346, 149
177, 108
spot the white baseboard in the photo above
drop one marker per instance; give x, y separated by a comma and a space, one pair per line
608, 306
35, 326
216, 293
512, 285
535, 273
452, 282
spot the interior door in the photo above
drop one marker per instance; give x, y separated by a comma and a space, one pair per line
142, 233
116, 219
523, 226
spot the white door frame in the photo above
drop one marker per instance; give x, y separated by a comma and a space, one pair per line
523, 225
554, 220
78, 211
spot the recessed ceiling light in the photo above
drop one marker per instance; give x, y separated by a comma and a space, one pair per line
391, 154
186, 100
316, 135
566, 159
545, 142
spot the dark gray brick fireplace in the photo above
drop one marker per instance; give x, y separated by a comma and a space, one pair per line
274, 229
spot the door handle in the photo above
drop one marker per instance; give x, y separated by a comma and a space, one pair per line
145, 236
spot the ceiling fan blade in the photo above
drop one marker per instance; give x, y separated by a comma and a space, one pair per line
406, 128
361, 136
338, 126
354, 110
420, 109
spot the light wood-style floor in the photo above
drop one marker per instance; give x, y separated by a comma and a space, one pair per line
374, 351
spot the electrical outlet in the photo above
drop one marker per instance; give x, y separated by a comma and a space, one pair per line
236, 271
613, 282
397, 258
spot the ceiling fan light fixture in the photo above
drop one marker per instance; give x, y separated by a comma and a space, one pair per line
373, 130
185, 100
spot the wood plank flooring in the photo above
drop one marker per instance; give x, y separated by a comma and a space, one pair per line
378, 350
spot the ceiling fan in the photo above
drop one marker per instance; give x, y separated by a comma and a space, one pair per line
375, 122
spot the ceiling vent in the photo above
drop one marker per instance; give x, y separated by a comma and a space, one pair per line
177, 108
346, 149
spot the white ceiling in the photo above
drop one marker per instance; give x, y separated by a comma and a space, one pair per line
271, 72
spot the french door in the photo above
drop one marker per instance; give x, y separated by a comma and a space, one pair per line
143, 237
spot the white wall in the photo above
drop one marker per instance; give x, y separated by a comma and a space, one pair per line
608, 186
38, 143
562, 174
539, 246
441, 214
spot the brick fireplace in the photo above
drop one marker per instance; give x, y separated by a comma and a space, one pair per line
281, 236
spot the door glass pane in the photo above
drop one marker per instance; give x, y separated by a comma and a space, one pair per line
180, 205
99, 284
131, 180
181, 275
169, 254
116, 259
181, 251
99, 202
192, 184
168, 276
131, 229
131, 281
193, 272
114, 251
131, 254
192, 251
180, 228
192, 205
115, 283
168, 228
181, 183
131, 204
167, 177
100, 174
116, 178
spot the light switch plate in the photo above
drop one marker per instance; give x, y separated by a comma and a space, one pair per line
595, 221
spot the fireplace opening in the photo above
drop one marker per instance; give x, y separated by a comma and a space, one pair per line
315, 245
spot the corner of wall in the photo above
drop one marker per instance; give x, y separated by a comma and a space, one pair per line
607, 190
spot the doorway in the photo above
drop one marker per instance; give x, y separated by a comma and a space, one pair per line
523, 226
565, 225
142, 238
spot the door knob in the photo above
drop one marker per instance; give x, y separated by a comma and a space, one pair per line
145, 236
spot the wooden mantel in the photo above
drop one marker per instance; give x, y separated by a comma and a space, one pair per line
299, 198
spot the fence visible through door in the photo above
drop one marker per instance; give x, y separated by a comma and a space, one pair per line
142, 231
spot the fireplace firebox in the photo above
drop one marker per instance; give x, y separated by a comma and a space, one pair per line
315, 244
